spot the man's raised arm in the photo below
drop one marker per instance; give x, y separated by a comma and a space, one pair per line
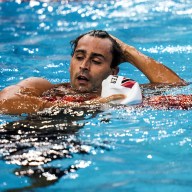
153, 70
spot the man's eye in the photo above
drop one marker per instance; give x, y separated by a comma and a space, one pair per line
79, 57
96, 62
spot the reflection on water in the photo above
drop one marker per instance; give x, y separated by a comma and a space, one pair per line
38, 140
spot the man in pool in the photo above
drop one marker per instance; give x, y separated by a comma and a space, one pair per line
95, 56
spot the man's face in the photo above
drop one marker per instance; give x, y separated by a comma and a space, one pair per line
90, 64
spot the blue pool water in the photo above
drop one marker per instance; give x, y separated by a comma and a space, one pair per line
95, 149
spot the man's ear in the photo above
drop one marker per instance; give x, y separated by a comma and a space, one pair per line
115, 70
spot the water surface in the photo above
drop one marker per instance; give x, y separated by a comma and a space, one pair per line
99, 148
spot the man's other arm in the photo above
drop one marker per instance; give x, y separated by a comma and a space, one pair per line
24, 97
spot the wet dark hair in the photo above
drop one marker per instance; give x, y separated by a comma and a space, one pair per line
115, 50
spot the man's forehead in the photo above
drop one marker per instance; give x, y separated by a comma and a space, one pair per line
95, 41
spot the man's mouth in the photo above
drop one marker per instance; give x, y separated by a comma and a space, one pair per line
82, 78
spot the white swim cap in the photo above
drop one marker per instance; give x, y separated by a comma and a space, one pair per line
121, 85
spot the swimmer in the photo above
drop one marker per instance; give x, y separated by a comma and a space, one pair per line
95, 56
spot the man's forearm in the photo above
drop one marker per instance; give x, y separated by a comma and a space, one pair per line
23, 104
153, 70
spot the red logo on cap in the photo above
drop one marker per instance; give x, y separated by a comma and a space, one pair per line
129, 83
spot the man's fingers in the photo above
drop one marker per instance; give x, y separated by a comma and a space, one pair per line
112, 98
106, 99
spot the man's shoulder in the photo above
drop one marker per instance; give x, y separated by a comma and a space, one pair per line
38, 84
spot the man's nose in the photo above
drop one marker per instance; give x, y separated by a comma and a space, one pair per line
85, 64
